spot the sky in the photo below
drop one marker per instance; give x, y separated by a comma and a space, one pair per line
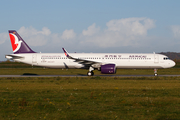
92, 26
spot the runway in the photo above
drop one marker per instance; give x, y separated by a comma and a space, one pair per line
87, 76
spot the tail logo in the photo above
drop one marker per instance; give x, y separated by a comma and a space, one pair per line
16, 43
65, 54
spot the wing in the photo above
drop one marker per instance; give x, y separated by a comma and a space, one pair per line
80, 61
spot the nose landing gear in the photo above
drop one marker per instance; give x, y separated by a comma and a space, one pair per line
155, 72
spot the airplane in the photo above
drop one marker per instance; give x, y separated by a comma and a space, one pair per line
107, 63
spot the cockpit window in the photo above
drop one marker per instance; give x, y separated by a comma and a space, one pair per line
166, 58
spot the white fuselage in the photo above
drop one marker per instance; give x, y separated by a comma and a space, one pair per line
121, 60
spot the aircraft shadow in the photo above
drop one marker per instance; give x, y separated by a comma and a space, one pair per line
82, 74
30, 74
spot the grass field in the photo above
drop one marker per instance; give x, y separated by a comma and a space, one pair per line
79, 98
90, 98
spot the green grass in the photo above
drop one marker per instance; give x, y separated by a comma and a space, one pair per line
90, 98
9, 64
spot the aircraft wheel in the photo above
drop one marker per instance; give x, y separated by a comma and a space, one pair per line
90, 73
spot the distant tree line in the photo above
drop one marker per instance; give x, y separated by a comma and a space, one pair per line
172, 55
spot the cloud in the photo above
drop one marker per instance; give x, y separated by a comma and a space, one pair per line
176, 31
68, 34
91, 30
32, 31
131, 26
34, 37
121, 32
3, 37
118, 33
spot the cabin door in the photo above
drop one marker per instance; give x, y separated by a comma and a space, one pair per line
34, 58
156, 58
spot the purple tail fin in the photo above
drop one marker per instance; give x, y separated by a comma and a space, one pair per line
18, 44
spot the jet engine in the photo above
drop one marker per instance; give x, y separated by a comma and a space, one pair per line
108, 69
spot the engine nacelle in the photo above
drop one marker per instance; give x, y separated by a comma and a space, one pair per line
108, 69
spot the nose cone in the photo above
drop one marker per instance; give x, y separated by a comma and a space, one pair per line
173, 63
169, 64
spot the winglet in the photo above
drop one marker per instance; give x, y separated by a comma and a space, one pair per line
66, 53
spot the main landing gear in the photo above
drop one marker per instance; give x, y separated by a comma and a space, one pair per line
155, 72
90, 72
